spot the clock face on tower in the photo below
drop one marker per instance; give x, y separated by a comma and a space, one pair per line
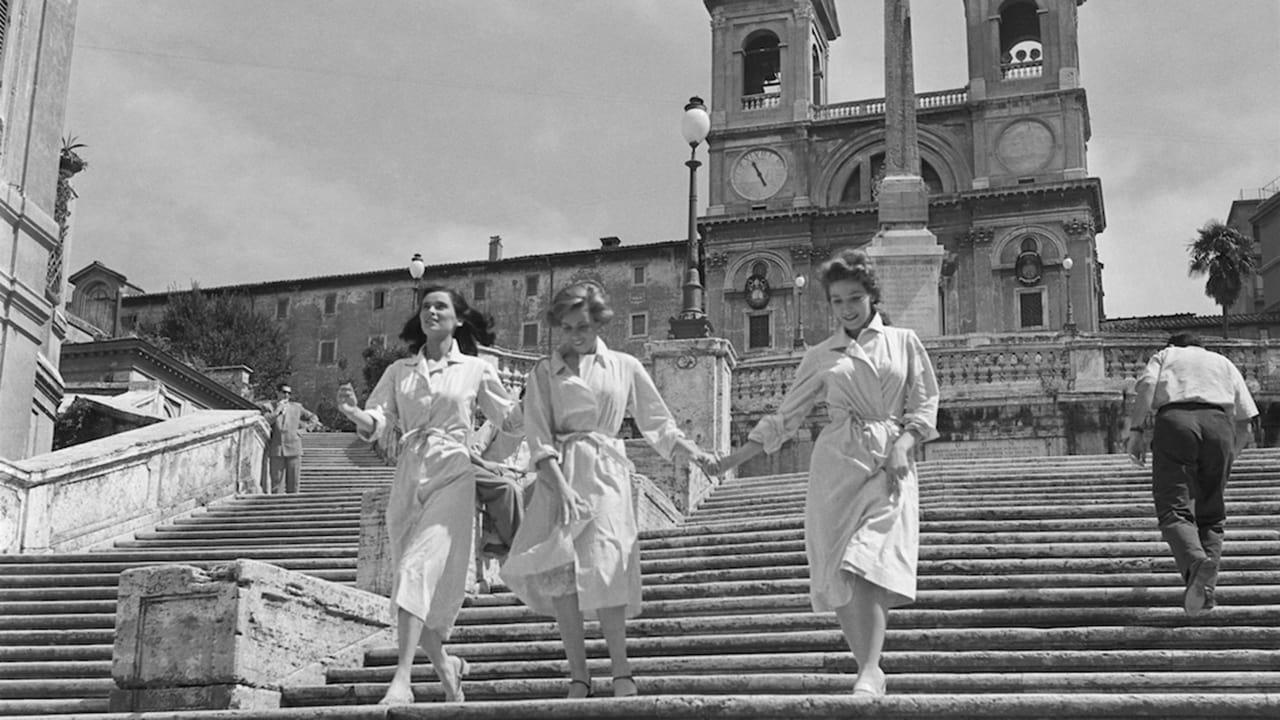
759, 174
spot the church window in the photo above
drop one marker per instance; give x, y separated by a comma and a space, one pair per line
1021, 51
330, 303
529, 335
640, 325
1031, 309
758, 332
762, 66
328, 352
816, 60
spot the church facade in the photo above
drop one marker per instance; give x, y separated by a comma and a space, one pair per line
793, 178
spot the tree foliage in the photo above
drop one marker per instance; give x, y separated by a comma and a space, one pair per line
222, 328
1227, 258
377, 358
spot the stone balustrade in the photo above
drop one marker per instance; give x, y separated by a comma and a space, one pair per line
1022, 70
513, 366
93, 492
875, 106
762, 101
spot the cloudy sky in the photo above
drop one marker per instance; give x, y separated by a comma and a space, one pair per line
250, 140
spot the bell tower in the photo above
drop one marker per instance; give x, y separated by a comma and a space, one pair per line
1024, 73
769, 69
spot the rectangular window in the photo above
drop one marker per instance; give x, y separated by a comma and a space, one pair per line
480, 291
379, 299
758, 335
328, 351
530, 335
637, 275
530, 285
639, 325
377, 340
330, 303
282, 308
1031, 309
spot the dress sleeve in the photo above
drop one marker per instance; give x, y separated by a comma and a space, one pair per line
775, 429
381, 405
501, 409
920, 411
539, 427
649, 411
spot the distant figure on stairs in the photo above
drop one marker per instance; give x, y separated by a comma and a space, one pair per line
430, 397
577, 553
862, 523
284, 447
1203, 420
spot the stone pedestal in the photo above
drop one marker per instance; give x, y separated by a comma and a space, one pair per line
908, 264
233, 636
694, 378
373, 559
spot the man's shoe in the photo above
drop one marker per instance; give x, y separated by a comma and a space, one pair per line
1199, 594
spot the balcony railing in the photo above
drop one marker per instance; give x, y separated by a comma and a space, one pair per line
762, 101
875, 106
1022, 70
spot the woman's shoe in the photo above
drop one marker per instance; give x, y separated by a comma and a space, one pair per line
624, 690
453, 688
869, 688
583, 683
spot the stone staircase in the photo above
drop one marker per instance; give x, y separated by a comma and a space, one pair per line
1045, 592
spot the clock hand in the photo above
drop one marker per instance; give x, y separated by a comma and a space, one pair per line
759, 174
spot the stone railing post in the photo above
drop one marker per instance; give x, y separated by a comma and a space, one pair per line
694, 377
233, 636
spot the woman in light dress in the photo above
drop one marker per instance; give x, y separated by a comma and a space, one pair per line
431, 397
861, 508
577, 553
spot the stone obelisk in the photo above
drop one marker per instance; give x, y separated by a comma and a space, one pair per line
907, 256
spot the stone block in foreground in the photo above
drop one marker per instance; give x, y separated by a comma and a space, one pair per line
232, 636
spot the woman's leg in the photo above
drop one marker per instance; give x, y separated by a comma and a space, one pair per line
448, 671
408, 630
569, 621
864, 621
613, 624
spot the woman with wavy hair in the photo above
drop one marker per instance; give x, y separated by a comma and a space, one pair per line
431, 398
577, 553
861, 509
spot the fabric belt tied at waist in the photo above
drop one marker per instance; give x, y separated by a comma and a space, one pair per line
603, 444
420, 437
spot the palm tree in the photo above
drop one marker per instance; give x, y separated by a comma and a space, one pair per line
1226, 256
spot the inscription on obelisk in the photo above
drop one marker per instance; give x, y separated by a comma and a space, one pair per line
907, 256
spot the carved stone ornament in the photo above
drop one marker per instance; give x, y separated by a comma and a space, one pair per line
717, 259
979, 235
819, 253
1029, 268
801, 252
686, 362
1078, 226
757, 292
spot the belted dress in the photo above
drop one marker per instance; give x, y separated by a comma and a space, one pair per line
432, 504
875, 386
574, 418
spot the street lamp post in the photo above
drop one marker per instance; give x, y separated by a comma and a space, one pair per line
416, 268
692, 321
800, 283
1070, 326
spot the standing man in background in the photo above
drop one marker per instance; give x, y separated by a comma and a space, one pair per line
284, 447
1203, 414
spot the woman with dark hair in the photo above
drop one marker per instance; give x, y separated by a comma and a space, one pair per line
431, 398
861, 515
577, 552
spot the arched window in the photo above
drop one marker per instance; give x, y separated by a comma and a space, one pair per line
873, 169
1021, 51
100, 307
816, 61
761, 66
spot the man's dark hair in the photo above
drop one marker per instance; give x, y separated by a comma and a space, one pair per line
1184, 340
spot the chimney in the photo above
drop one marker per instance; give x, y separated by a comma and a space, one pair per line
610, 243
495, 248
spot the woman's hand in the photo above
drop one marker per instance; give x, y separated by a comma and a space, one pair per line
898, 464
348, 403
569, 506
710, 464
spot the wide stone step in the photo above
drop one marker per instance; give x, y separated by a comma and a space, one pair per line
65, 708
55, 688
55, 653
56, 669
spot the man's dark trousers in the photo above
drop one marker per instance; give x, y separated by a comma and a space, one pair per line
1191, 453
